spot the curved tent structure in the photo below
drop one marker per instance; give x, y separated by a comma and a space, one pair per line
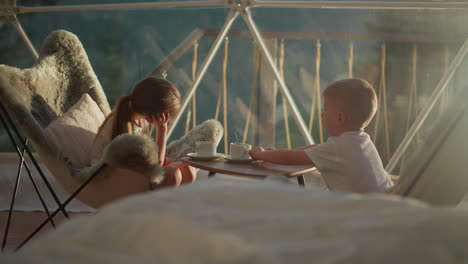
414, 53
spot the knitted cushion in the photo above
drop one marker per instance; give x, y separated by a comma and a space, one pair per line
73, 133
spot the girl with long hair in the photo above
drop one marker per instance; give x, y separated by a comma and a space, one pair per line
152, 101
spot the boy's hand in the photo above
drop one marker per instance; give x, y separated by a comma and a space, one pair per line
256, 149
253, 152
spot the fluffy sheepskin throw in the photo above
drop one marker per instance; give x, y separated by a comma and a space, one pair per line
58, 79
135, 152
7, 10
210, 130
38, 95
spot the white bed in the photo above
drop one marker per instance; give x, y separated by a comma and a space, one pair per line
224, 220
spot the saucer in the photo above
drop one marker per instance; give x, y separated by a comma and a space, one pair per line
195, 156
231, 160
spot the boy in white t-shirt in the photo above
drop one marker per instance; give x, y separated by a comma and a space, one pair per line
348, 160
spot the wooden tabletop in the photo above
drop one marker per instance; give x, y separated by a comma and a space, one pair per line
258, 169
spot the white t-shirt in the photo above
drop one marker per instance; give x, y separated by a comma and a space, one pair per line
350, 162
104, 137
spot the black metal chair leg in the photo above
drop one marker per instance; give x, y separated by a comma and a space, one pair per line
44, 205
300, 180
46, 209
61, 206
25, 146
15, 190
12, 203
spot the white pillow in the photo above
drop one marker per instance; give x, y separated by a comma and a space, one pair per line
73, 133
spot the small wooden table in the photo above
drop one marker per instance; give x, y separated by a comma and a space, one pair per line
255, 169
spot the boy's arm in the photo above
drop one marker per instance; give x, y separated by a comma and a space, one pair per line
282, 156
306, 147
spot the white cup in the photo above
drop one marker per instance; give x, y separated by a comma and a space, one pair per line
205, 148
240, 151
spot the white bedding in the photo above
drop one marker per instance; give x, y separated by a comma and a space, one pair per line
230, 221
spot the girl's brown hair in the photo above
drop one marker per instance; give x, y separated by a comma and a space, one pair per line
151, 96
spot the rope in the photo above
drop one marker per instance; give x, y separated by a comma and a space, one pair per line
316, 93
445, 95
350, 59
220, 94
225, 59
194, 100
194, 75
187, 122
382, 101
218, 103
379, 97
413, 98
283, 99
317, 70
383, 84
255, 71
192, 114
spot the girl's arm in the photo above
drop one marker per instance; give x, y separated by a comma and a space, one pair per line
161, 135
129, 128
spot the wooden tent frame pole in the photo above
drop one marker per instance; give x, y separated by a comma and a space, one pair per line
350, 59
283, 100
225, 115
255, 71
194, 75
316, 92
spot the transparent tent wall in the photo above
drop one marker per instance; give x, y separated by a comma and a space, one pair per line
442, 118
403, 53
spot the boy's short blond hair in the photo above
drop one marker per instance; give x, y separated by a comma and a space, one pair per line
357, 97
